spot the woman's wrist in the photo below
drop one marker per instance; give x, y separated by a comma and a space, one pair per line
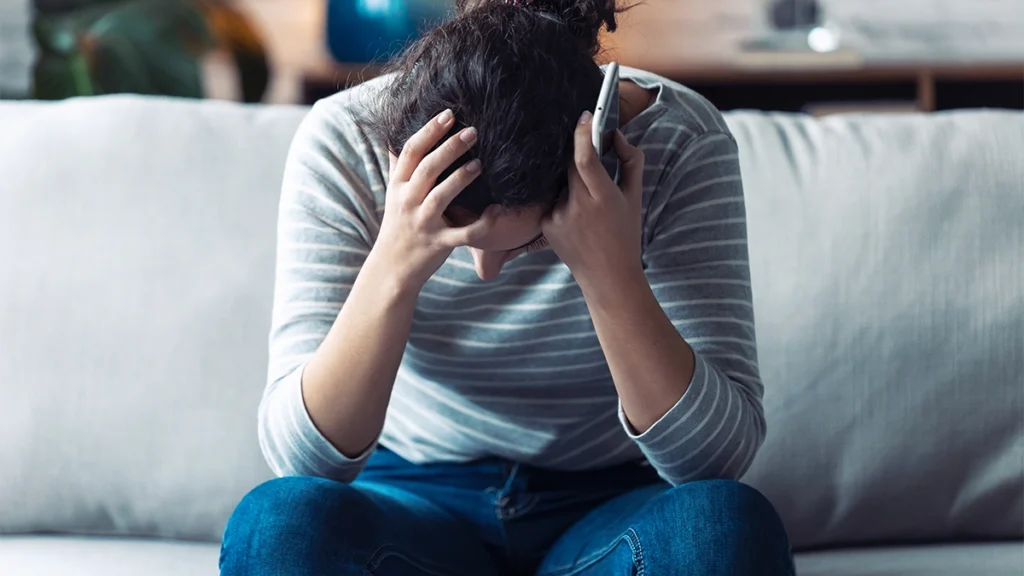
613, 287
391, 276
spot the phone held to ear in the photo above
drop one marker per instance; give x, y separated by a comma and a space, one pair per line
606, 121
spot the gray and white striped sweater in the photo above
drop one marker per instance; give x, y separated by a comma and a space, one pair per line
513, 367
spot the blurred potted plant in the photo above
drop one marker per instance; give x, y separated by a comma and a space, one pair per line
92, 47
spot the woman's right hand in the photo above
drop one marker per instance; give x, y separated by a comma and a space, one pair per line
415, 237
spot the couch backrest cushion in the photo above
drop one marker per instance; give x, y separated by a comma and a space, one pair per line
887, 263
136, 274
136, 269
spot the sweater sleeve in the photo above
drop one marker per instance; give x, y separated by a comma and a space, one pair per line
695, 257
327, 222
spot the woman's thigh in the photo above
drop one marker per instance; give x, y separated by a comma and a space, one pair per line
707, 528
309, 526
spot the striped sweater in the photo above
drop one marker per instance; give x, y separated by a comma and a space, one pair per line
512, 367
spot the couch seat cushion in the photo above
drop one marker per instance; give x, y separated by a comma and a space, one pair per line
88, 556
995, 559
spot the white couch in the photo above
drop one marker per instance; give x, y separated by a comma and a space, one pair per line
136, 263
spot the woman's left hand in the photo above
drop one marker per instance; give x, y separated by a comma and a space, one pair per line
596, 230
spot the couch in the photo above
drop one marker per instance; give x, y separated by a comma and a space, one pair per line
136, 266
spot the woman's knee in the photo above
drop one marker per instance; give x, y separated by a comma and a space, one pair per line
716, 525
298, 501
286, 521
728, 499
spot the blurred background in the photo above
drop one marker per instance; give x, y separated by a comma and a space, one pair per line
799, 55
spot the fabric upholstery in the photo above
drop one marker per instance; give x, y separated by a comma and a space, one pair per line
136, 265
887, 265
83, 556
995, 559
79, 556
137, 253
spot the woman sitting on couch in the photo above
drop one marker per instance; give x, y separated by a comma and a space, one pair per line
475, 373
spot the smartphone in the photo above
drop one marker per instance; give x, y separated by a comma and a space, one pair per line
606, 121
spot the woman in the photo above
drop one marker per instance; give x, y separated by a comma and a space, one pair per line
473, 373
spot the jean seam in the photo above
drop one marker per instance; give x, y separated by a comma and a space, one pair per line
638, 552
388, 550
587, 562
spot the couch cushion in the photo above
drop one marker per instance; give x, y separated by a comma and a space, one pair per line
78, 556
136, 247
137, 251
887, 265
998, 559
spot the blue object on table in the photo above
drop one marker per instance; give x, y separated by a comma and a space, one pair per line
370, 30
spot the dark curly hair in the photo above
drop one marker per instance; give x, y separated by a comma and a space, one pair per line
521, 72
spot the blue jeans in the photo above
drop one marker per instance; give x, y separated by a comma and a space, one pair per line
494, 517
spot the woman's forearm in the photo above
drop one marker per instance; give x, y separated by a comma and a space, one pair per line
650, 362
347, 384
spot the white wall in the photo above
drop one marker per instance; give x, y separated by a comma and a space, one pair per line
16, 48
933, 29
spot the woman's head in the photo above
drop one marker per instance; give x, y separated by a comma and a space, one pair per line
520, 72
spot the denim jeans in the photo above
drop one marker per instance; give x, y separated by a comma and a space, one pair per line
494, 517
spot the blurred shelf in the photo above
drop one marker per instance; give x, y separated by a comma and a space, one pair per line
725, 72
931, 86
671, 38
